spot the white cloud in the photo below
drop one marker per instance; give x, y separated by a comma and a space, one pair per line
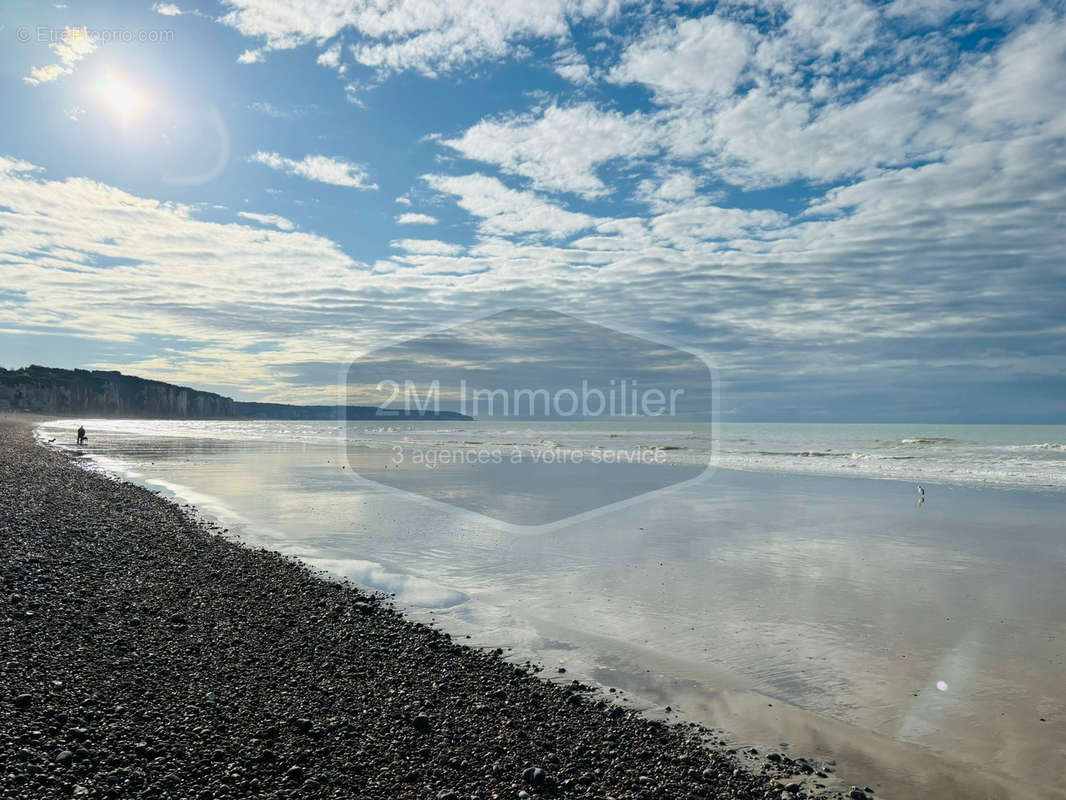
559, 148
279, 222
72, 47
353, 90
503, 210
765, 139
692, 57
927, 12
251, 57
9, 165
167, 9
1021, 84
426, 247
45, 74
664, 192
695, 223
324, 169
429, 37
403, 201
828, 94
416, 219
97, 261
271, 110
882, 264
331, 57
573, 66
843, 29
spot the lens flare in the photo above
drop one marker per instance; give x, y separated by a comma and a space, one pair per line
124, 100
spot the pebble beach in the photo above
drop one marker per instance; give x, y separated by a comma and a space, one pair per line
144, 654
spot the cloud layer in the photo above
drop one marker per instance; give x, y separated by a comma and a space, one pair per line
830, 198
430, 37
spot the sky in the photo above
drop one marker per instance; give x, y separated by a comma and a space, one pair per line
856, 210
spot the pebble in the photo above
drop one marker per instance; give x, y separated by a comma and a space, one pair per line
534, 776
23, 701
294, 774
251, 676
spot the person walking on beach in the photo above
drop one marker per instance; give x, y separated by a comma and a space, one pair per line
81, 434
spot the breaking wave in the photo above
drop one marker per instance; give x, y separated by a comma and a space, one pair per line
928, 440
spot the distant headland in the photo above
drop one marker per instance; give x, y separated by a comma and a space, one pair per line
104, 393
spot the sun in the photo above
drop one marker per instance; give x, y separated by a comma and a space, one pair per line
123, 99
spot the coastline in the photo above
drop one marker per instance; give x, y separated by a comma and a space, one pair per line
148, 656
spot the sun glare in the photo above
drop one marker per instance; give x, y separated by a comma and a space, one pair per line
120, 97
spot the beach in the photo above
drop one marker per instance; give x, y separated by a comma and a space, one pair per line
147, 655
503, 401
914, 648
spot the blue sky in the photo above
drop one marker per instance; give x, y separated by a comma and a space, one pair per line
856, 209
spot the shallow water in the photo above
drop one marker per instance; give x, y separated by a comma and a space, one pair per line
923, 647
1022, 456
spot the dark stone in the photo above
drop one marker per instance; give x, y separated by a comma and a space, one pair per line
22, 701
534, 776
294, 774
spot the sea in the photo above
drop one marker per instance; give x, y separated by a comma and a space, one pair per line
889, 599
